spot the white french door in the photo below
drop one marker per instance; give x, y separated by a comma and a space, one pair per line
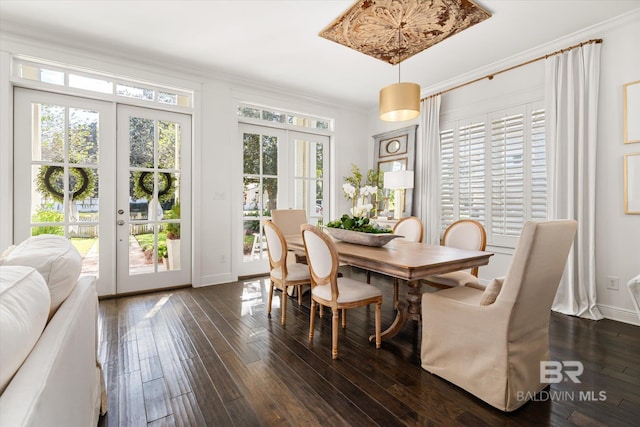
281, 169
153, 200
64, 152
117, 197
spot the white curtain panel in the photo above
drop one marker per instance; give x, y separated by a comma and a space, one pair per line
571, 99
427, 194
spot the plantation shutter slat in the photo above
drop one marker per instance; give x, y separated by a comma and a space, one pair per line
472, 171
507, 166
446, 178
538, 166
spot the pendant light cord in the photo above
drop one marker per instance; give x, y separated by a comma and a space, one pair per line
399, 27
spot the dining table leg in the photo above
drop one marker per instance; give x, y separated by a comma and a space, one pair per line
405, 311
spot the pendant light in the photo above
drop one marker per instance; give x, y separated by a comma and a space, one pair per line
399, 101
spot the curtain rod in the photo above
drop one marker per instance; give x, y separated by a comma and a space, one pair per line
492, 75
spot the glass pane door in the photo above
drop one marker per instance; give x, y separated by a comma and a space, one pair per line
153, 199
63, 146
260, 192
280, 170
310, 174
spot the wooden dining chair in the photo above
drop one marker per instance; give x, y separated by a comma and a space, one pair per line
327, 289
462, 234
282, 274
411, 229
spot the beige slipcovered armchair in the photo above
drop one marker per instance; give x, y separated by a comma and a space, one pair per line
490, 342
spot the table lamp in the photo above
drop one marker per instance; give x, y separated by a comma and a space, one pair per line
399, 181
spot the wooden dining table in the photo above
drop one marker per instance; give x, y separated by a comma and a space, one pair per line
410, 261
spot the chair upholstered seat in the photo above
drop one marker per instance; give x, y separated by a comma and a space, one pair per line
295, 272
349, 290
463, 294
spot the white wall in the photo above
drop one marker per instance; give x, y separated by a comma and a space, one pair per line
221, 162
617, 234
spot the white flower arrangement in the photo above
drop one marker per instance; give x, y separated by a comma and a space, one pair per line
349, 190
363, 197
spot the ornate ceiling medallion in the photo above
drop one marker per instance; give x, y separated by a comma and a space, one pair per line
371, 26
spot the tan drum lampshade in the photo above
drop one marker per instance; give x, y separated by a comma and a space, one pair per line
399, 102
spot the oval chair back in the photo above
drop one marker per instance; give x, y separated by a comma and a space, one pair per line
322, 259
466, 234
410, 228
276, 245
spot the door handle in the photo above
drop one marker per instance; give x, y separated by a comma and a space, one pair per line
120, 211
121, 222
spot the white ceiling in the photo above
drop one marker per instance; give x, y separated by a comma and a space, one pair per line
276, 43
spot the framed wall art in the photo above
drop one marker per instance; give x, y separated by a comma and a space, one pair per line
632, 183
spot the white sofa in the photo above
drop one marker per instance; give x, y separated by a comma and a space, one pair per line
49, 370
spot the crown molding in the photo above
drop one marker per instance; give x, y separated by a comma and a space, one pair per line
567, 40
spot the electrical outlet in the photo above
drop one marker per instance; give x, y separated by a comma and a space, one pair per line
613, 283
222, 259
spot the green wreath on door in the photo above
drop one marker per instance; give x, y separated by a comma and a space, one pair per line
143, 186
50, 182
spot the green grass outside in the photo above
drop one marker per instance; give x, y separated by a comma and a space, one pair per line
146, 240
83, 245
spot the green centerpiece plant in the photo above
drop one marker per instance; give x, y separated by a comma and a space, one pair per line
357, 223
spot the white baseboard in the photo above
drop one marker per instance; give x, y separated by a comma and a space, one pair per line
619, 314
215, 279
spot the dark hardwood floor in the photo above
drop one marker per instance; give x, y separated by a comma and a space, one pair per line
211, 357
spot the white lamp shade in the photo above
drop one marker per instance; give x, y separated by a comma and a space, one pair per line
396, 180
399, 102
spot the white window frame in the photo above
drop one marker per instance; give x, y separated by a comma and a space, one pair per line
186, 96
451, 128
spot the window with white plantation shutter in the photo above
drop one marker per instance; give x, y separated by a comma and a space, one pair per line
495, 171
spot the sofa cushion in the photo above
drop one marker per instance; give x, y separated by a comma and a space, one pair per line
55, 258
24, 308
